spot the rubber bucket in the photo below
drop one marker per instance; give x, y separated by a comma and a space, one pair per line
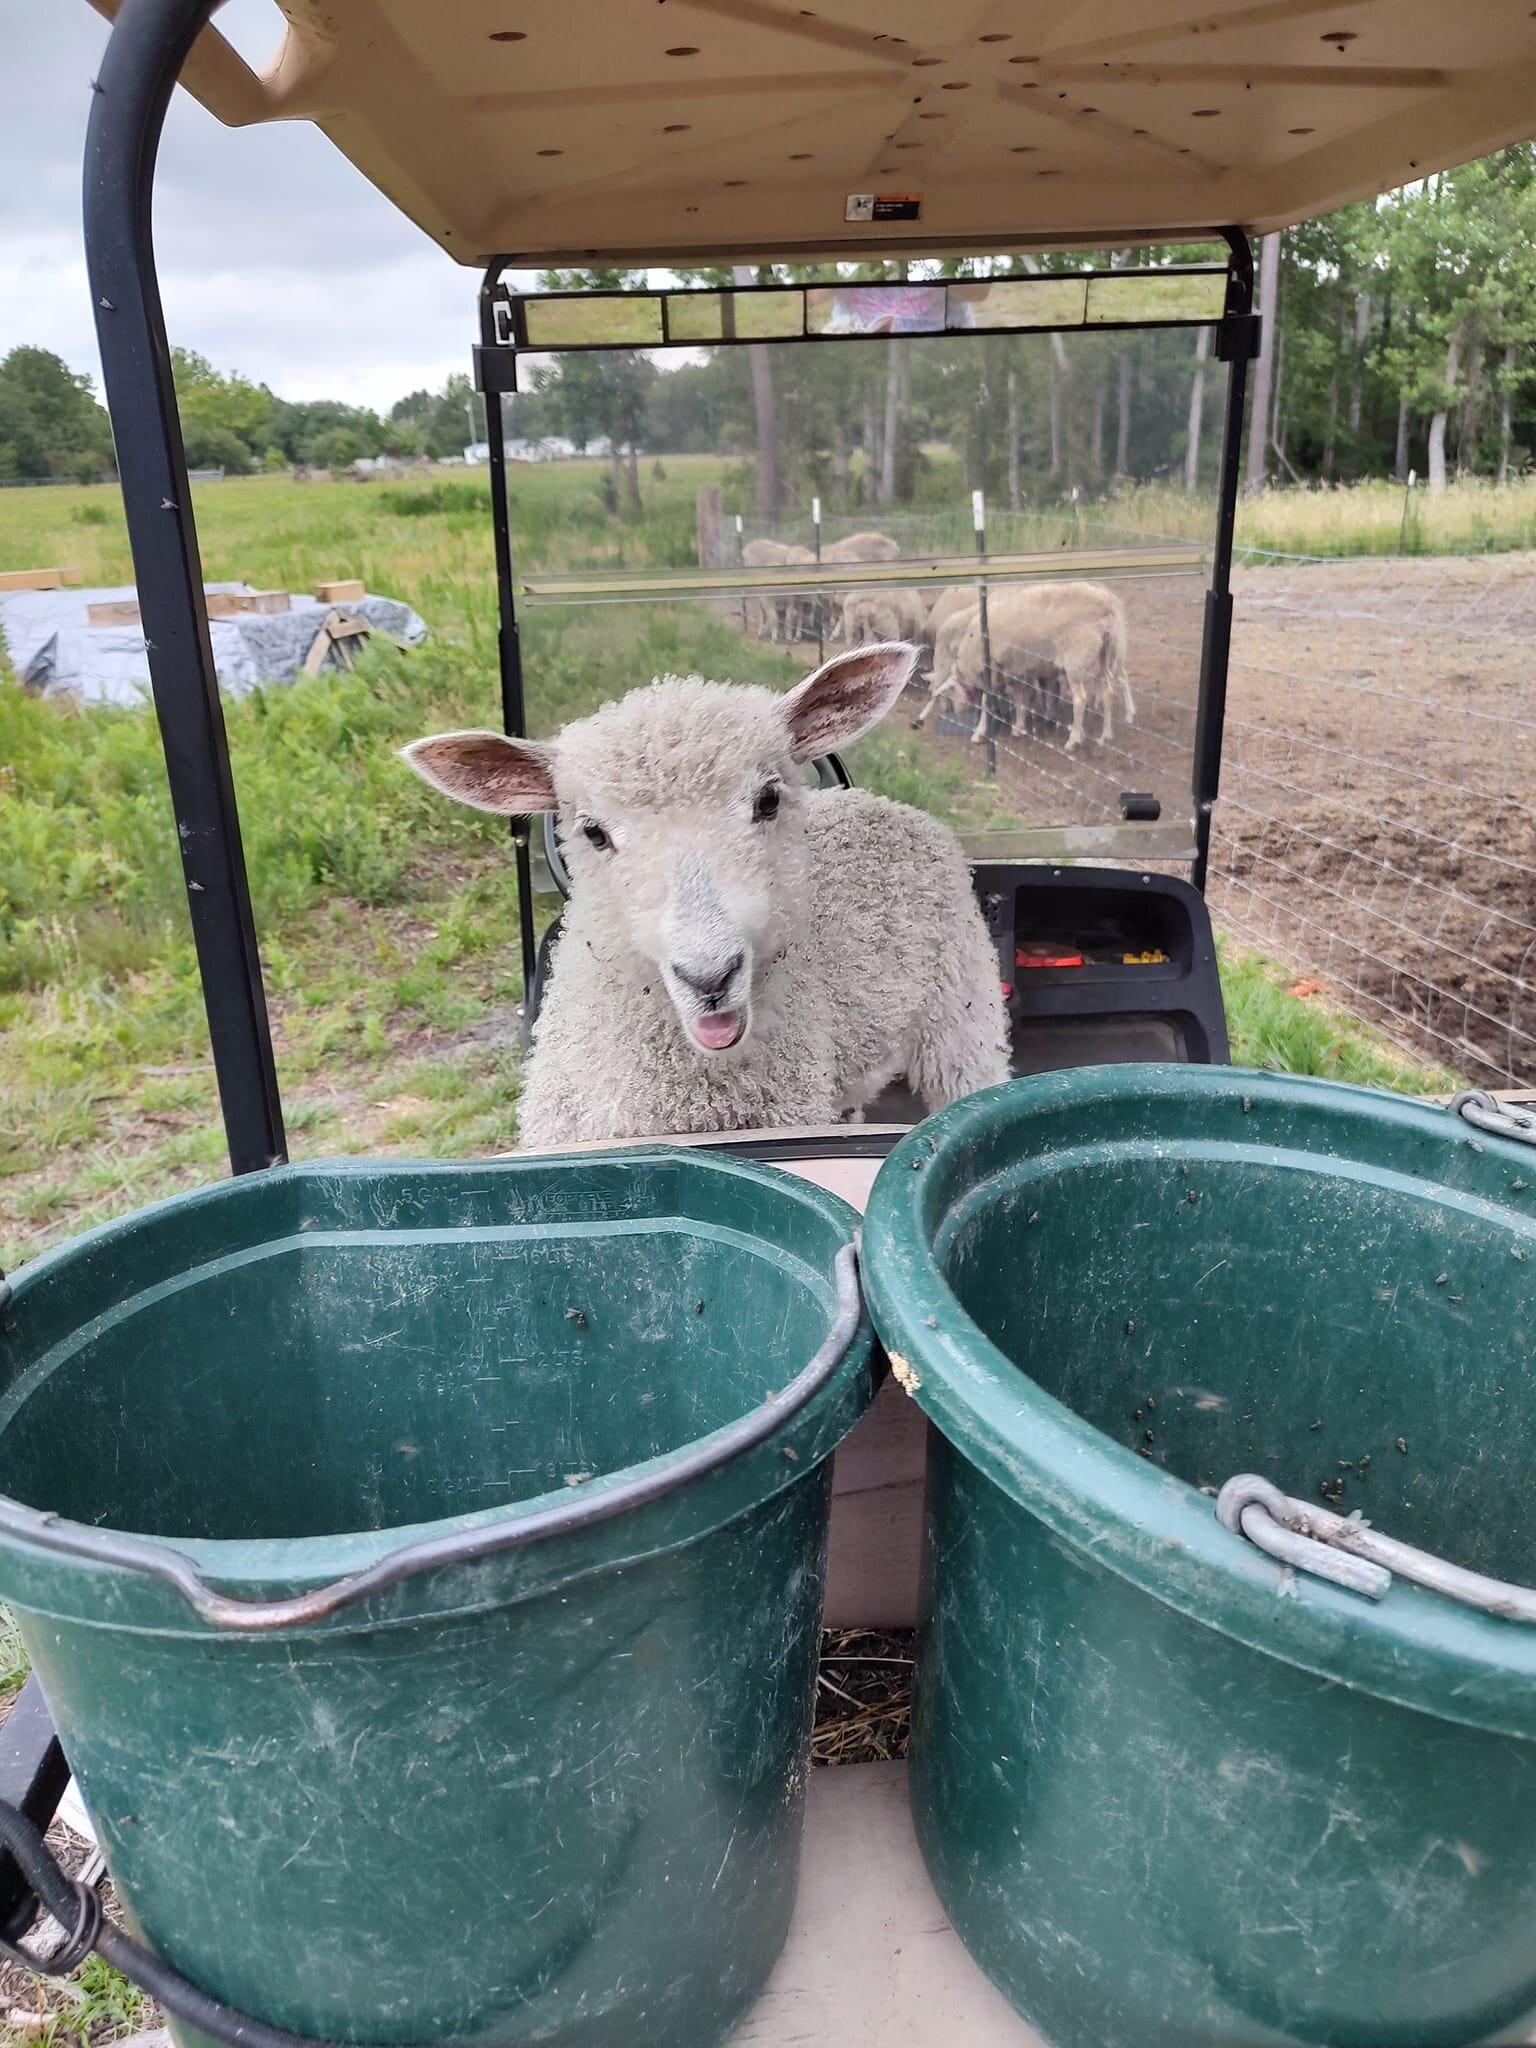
1171, 1790
455, 1680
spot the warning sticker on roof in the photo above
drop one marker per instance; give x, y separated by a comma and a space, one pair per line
882, 206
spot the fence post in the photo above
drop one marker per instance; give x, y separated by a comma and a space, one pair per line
979, 521
821, 610
711, 554
1402, 531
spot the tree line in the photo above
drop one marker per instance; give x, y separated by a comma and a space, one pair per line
52, 425
1400, 335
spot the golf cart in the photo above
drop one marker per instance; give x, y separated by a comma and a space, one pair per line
730, 132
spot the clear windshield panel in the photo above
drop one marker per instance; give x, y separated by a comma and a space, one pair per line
665, 515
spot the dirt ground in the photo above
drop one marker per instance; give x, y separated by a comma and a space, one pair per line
1377, 825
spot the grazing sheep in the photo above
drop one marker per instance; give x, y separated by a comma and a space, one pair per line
862, 547
853, 547
884, 615
1028, 685
775, 615
738, 949
948, 623
960, 597
1026, 626
798, 607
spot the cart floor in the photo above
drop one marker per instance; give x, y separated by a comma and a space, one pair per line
871, 1960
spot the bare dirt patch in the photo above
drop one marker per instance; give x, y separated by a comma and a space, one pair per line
1377, 824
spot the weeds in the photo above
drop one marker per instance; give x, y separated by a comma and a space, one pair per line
90, 2009
1271, 1026
15, 1664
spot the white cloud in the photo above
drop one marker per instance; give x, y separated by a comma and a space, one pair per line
276, 258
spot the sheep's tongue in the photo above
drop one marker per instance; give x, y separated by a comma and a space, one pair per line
717, 1029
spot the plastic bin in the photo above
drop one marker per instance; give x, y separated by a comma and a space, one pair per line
537, 1773
1170, 1790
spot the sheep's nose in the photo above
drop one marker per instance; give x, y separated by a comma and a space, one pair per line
708, 985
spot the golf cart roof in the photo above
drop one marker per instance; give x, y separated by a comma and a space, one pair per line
589, 130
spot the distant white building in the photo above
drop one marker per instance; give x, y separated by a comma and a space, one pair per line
549, 448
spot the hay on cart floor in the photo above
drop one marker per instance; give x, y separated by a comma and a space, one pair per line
863, 1696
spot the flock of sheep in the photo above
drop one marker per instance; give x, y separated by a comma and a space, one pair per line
1052, 644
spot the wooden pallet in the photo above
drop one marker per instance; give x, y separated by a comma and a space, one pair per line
39, 579
221, 604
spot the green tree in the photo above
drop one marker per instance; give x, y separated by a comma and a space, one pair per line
301, 429
217, 448
219, 409
50, 418
339, 448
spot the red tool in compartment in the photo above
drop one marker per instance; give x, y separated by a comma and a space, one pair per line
1040, 954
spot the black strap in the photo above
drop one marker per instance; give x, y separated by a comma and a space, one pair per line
77, 1907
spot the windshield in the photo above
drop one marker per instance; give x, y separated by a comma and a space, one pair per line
1034, 510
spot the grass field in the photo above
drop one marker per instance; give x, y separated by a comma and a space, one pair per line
387, 917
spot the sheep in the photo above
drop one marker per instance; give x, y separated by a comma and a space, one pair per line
960, 597
948, 623
862, 547
1030, 680
777, 615
884, 615
771, 615
853, 547
1026, 627
738, 949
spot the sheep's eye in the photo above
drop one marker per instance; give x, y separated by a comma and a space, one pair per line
595, 834
766, 803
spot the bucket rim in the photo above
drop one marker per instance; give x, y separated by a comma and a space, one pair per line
269, 1567
1158, 1532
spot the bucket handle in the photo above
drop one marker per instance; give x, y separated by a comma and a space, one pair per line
38, 1530
1354, 1555
1502, 1119
1348, 1551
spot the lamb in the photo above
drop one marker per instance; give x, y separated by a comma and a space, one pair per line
739, 949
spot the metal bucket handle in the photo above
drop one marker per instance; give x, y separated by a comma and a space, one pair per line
40, 1530
1341, 1547
1501, 1119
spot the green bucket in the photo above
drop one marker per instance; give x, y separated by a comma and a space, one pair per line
455, 1681
1171, 1790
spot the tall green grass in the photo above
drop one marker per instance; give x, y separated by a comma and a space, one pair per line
1271, 1027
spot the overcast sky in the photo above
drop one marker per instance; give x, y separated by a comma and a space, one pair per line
276, 258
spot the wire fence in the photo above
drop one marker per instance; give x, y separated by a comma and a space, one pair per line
1377, 826
1377, 823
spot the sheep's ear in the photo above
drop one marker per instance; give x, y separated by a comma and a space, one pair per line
487, 771
846, 696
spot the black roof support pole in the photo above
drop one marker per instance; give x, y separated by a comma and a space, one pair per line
149, 41
1237, 343
514, 714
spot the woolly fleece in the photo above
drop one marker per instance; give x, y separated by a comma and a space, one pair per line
872, 961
